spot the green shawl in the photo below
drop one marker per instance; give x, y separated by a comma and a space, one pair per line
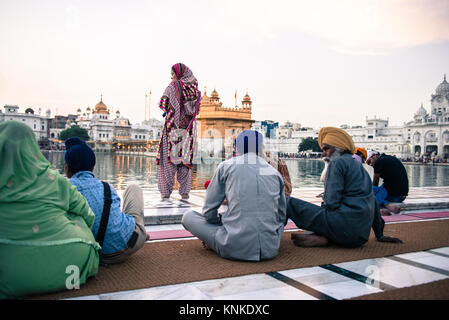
45, 223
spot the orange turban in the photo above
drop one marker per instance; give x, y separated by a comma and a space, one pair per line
362, 150
336, 137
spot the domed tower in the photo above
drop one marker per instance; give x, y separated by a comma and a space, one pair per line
117, 114
88, 111
214, 97
420, 113
443, 87
246, 102
78, 112
100, 107
440, 100
101, 110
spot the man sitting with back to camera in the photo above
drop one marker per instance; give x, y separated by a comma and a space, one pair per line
120, 234
253, 224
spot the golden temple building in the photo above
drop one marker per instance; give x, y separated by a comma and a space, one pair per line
218, 126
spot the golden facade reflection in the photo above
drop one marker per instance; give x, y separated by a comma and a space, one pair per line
195, 184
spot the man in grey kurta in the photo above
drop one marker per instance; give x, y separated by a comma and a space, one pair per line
251, 229
349, 209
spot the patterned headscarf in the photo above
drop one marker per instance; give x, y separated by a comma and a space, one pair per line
185, 82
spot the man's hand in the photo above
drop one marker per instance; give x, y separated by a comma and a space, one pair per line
376, 178
389, 239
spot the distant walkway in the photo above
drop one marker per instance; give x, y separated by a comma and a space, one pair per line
169, 212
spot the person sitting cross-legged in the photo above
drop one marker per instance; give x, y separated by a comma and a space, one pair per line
121, 233
253, 224
349, 209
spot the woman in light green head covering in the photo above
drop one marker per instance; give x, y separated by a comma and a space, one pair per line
46, 243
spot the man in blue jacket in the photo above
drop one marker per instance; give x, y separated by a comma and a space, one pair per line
123, 232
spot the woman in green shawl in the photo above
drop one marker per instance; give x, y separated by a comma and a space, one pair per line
46, 243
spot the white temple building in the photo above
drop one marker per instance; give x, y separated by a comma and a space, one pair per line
426, 134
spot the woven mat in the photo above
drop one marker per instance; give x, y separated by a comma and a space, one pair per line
172, 262
437, 290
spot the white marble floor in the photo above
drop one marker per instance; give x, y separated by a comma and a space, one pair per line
313, 283
339, 281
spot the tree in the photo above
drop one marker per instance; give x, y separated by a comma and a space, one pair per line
74, 131
309, 144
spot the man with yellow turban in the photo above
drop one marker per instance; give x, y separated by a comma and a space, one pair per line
349, 209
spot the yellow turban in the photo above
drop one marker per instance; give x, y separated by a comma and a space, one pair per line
336, 137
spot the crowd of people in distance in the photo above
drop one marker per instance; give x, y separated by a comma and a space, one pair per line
49, 222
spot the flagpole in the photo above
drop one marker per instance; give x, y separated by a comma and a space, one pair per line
145, 107
149, 106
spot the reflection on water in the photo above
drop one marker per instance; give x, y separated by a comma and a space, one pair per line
121, 170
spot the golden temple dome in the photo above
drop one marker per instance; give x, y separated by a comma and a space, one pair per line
247, 97
214, 94
100, 107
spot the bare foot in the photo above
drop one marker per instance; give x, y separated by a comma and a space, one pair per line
393, 208
309, 240
205, 246
385, 212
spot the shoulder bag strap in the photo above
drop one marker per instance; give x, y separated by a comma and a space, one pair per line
105, 215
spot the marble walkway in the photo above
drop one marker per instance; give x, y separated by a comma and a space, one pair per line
330, 282
169, 212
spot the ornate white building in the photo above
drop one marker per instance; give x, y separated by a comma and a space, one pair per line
38, 123
430, 132
106, 132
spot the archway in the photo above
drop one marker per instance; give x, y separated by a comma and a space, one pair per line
416, 138
430, 137
432, 149
417, 150
445, 136
446, 151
